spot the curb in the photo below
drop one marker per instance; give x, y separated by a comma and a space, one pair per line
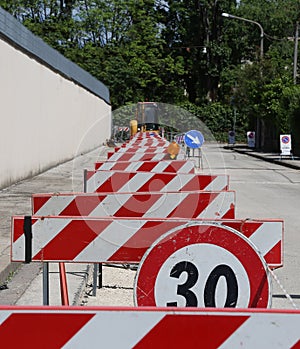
265, 158
9, 267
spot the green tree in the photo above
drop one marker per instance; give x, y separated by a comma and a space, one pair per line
175, 52
193, 31
134, 63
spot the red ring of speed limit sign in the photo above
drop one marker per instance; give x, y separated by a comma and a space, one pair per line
203, 265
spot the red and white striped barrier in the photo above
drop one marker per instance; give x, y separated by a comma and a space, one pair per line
139, 149
141, 156
119, 181
85, 239
148, 327
147, 142
201, 204
148, 135
177, 166
125, 129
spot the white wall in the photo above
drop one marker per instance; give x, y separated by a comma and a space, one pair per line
45, 118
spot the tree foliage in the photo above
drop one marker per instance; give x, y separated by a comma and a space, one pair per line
180, 52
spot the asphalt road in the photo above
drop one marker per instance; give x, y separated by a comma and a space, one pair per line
263, 190
268, 190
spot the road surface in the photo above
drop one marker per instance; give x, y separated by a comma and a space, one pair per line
263, 190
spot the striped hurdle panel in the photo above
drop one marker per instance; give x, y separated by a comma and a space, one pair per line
122, 240
111, 156
140, 149
147, 143
147, 134
155, 142
177, 166
201, 204
148, 327
119, 181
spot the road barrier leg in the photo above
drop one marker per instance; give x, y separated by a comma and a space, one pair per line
63, 284
45, 283
84, 180
95, 274
100, 275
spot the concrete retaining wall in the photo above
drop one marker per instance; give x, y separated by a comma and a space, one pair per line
47, 115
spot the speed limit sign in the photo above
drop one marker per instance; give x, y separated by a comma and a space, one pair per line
203, 265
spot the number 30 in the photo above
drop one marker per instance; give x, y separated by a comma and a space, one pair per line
210, 285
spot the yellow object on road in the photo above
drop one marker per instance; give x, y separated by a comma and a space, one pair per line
173, 150
133, 127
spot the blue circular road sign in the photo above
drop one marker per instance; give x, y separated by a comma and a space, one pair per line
193, 139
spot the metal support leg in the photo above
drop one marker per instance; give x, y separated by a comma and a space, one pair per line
84, 180
95, 274
45, 283
100, 275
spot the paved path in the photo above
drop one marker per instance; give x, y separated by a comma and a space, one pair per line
16, 200
270, 157
118, 283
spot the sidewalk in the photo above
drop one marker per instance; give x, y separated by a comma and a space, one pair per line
270, 157
16, 200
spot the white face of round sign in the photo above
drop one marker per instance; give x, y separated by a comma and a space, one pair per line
219, 279
203, 265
